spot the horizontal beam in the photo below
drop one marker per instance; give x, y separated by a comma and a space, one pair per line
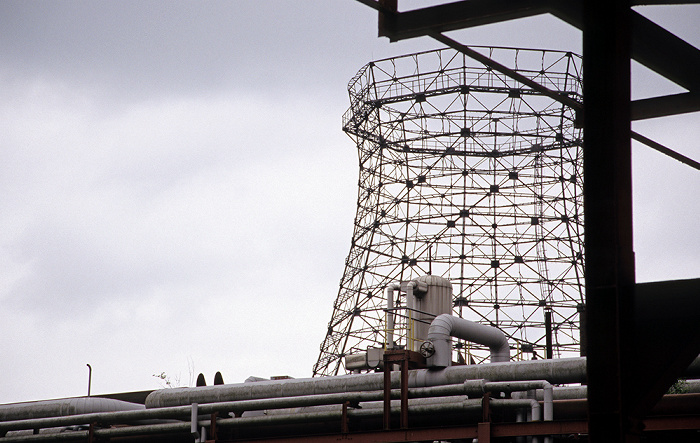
375, 5
652, 45
458, 15
666, 105
662, 2
557, 427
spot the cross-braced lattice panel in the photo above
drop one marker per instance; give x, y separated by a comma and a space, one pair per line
469, 175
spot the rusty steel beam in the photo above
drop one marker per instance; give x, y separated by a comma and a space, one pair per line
458, 15
492, 430
610, 270
665, 53
651, 45
375, 4
675, 423
665, 105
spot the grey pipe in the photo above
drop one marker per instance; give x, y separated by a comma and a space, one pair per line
556, 371
185, 427
446, 326
473, 388
410, 305
62, 407
261, 394
470, 387
184, 412
520, 386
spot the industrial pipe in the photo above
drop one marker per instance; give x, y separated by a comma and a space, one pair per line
470, 387
62, 407
473, 405
557, 371
446, 326
389, 342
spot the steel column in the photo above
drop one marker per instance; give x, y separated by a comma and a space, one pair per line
610, 273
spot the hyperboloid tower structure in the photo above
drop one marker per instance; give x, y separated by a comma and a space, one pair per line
469, 175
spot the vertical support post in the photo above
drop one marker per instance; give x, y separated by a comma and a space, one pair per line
212, 429
483, 432
609, 273
386, 16
404, 392
483, 429
344, 428
486, 407
387, 392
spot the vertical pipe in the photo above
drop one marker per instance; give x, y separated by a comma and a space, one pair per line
409, 314
548, 333
89, 378
581, 309
194, 421
389, 340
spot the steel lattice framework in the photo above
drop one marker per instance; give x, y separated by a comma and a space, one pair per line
469, 175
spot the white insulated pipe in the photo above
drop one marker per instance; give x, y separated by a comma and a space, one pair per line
410, 305
390, 314
446, 326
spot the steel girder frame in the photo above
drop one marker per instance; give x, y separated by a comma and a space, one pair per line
613, 34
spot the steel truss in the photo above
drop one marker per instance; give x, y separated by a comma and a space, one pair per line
467, 174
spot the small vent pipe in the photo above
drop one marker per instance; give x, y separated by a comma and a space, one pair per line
438, 347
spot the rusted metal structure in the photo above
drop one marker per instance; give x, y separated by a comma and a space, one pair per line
499, 401
471, 175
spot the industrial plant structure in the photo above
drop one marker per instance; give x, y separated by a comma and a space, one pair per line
467, 174
467, 248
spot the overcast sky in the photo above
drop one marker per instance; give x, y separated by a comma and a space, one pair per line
176, 193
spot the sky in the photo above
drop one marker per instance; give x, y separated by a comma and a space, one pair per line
177, 195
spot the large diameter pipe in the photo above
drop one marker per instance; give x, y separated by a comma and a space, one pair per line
63, 407
472, 388
446, 326
558, 371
